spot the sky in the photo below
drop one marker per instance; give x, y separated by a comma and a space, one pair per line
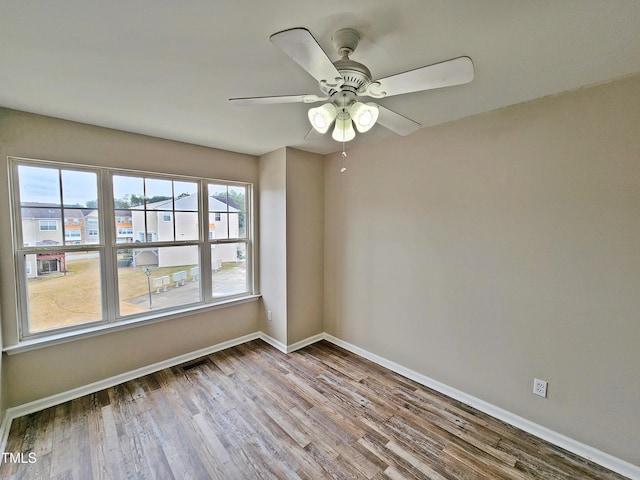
38, 184
42, 184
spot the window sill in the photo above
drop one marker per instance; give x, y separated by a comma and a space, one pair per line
57, 339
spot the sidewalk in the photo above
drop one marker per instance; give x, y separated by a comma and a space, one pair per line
224, 282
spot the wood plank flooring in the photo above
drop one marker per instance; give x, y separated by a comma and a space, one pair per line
254, 412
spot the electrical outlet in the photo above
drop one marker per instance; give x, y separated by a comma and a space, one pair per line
540, 387
269, 316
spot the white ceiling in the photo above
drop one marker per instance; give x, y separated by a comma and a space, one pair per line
167, 68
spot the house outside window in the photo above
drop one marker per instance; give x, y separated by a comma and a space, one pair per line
164, 225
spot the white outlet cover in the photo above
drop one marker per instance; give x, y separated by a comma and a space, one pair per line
540, 387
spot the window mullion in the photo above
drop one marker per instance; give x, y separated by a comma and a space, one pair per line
62, 216
106, 209
205, 245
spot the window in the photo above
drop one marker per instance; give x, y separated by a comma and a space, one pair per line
73, 235
172, 243
228, 239
61, 284
93, 229
49, 225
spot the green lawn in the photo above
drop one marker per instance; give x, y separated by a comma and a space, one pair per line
74, 298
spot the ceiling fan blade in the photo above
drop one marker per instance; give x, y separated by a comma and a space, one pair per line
302, 48
313, 134
276, 99
396, 122
444, 74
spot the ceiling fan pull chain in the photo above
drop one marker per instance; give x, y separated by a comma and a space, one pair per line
344, 157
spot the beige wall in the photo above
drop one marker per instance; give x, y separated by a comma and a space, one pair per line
305, 244
519, 232
273, 243
291, 246
32, 375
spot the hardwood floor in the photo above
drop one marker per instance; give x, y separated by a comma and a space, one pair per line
254, 412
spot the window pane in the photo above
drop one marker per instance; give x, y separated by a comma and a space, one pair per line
217, 198
40, 198
218, 226
186, 196
173, 280
128, 192
41, 226
237, 198
187, 227
39, 186
227, 211
79, 189
63, 289
159, 194
229, 266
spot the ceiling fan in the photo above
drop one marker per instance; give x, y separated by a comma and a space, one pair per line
344, 81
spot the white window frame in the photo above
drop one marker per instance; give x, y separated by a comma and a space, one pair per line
107, 245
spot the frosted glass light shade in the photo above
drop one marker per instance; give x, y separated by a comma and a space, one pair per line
322, 117
343, 132
364, 115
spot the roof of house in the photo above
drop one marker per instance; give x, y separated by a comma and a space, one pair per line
37, 210
190, 203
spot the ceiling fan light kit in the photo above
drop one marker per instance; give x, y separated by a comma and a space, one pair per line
322, 117
343, 131
342, 83
364, 115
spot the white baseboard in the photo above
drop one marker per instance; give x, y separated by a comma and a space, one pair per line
601, 458
294, 346
58, 398
303, 343
273, 342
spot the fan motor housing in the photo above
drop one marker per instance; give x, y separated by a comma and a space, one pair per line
355, 75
